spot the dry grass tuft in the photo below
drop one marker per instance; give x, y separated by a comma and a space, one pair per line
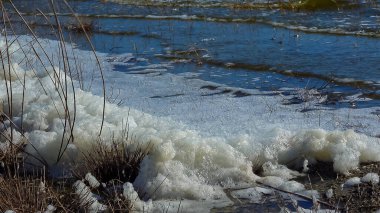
112, 197
11, 150
11, 160
113, 161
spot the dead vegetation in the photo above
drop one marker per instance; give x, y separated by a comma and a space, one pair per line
112, 161
29, 187
27, 195
360, 198
39, 194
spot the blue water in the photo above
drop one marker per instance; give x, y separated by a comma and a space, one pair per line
271, 49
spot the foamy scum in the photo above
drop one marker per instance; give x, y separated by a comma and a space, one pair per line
182, 164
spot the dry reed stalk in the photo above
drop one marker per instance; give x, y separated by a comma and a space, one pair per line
62, 85
29, 195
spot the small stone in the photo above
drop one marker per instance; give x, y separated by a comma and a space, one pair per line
329, 193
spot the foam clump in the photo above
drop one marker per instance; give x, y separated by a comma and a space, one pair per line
272, 181
131, 195
50, 209
283, 184
270, 169
292, 186
94, 183
372, 178
346, 149
354, 181
329, 193
251, 194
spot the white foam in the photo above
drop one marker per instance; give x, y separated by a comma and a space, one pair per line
207, 143
354, 181
50, 209
250, 194
292, 186
87, 198
272, 181
136, 204
270, 169
94, 183
329, 193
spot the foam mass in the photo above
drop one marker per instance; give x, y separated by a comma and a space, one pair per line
182, 162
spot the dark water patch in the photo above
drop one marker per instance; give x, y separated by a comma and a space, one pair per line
225, 91
291, 101
308, 109
372, 95
145, 72
151, 36
209, 87
192, 51
333, 98
122, 33
168, 96
239, 94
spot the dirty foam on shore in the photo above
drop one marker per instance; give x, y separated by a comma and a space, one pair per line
202, 144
